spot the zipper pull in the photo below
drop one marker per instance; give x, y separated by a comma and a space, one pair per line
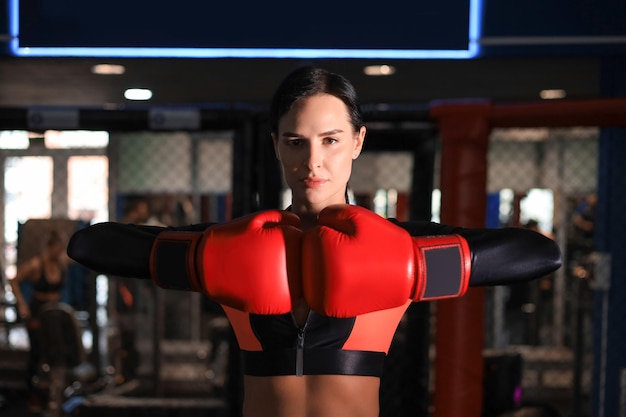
300, 353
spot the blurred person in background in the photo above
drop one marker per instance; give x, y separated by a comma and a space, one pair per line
46, 272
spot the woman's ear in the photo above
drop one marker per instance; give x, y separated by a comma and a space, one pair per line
358, 142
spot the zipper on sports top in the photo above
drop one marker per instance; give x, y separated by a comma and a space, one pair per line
300, 353
300, 345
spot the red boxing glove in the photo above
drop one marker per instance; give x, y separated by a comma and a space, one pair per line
250, 264
356, 262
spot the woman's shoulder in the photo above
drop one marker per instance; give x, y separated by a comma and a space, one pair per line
424, 228
30, 268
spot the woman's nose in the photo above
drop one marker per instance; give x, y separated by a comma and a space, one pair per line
313, 157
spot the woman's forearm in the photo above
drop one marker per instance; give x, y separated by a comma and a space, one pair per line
114, 248
500, 256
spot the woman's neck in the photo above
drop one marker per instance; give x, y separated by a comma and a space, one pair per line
308, 221
46, 256
306, 213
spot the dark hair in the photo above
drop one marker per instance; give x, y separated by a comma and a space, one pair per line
308, 81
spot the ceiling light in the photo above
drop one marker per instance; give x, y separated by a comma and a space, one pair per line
108, 69
377, 70
552, 94
138, 94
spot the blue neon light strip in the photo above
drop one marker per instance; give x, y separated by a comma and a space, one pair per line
472, 50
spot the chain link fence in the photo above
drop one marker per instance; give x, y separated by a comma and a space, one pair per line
175, 179
546, 179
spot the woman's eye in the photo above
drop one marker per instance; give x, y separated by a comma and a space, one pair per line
332, 140
294, 142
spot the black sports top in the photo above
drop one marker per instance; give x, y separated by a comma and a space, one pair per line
42, 285
276, 345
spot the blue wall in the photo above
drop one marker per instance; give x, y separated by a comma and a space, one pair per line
609, 312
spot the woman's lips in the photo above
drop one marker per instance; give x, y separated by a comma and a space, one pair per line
314, 182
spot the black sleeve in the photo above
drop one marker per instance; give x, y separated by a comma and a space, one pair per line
499, 256
117, 248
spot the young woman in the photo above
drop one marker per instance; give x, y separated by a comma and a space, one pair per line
315, 292
46, 272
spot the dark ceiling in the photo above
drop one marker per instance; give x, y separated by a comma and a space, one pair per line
27, 82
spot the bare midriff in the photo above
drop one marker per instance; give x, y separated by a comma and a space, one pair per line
311, 396
47, 296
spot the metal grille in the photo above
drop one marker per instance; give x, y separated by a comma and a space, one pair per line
183, 178
152, 162
547, 321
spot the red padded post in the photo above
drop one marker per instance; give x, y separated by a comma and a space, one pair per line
464, 132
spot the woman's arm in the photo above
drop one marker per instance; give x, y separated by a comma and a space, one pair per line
117, 248
26, 271
499, 256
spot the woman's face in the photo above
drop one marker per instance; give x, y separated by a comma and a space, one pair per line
316, 145
55, 249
